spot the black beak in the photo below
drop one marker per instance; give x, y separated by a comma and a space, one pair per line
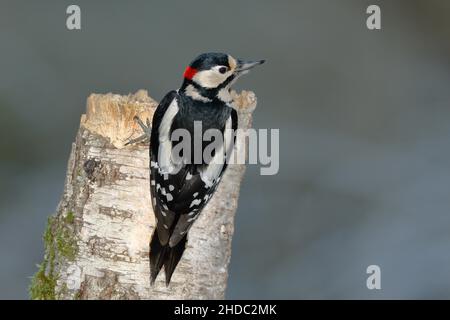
245, 66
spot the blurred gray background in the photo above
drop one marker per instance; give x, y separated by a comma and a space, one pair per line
364, 119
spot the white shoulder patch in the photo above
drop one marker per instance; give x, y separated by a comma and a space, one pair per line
165, 145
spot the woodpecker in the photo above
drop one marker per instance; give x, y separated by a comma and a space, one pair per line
181, 189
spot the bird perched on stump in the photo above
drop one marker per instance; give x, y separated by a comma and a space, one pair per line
181, 185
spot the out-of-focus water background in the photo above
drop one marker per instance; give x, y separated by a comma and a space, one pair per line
364, 119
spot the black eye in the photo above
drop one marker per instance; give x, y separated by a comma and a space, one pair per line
223, 69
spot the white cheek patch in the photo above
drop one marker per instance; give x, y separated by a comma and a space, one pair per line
209, 78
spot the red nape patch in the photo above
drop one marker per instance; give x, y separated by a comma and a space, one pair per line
189, 73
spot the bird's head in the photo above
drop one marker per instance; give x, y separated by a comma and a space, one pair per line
211, 73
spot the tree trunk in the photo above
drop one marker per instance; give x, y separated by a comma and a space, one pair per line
97, 244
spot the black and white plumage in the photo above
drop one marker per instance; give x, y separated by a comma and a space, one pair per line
180, 189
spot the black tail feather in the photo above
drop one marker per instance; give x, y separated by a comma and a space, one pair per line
157, 253
173, 256
164, 255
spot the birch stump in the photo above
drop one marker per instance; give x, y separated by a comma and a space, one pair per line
97, 243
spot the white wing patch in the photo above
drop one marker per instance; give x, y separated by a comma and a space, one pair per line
165, 162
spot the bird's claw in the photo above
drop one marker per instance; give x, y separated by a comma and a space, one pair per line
147, 131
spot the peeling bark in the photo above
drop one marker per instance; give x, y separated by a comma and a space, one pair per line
97, 243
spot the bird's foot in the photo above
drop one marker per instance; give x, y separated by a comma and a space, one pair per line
147, 132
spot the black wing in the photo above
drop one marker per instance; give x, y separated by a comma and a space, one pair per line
195, 191
178, 198
164, 218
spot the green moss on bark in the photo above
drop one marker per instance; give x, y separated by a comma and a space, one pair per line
42, 285
70, 217
66, 244
61, 243
44, 281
